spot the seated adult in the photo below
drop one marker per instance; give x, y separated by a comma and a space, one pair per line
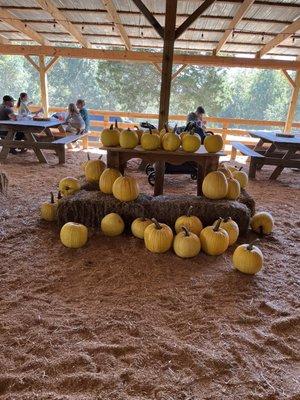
80, 104
74, 122
7, 113
196, 119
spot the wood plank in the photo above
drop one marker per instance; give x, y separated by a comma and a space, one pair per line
242, 10
293, 105
116, 20
33, 63
3, 40
51, 63
245, 150
192, 18
149, 57
10, 19
178, 72
150, 17
158, 67
43, 85
61, 19
281, 36
288, 76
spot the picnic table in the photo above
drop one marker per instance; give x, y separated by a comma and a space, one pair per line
283, 151
117, 158
37, 136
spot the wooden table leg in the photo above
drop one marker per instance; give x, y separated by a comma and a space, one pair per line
112, 159
159, 178
252, 167
61, 154
200, 176
33, 143
5, 148
277, 171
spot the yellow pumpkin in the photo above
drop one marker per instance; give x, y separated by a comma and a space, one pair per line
164, 130
93, 170
186, 244
215, 185
110, 137
139, 132
171, 141
191, 222
248, 259
150, 141
85, 162
128, 139
191, 142
48, 210
73, 235
231, 168
213, 143
234, 189
158, 237
107, 179
262, 222
112, 225
138, 227
69, 186
232, 228
126, 188
223, 168
214, 240
242, 177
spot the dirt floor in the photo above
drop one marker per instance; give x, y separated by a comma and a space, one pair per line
112, 321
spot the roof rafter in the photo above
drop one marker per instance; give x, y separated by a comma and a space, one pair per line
10, 19
150, 17
116, 20
280, 37
192, 18
242, 10
61, 19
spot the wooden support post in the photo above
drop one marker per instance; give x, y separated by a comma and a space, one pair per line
43, 85
288, 77
166, 81
293, 105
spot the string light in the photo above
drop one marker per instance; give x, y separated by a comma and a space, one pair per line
233, 34
54, 25
263, 37
293, 39
142, 32
202, 35
113, 27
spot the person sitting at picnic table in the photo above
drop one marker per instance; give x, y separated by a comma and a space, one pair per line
7, 113
80, 104
74, 122
196, 119
22, 105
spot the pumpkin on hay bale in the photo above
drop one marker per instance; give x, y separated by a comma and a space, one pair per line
88, 207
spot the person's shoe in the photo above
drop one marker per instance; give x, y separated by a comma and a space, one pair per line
13, 151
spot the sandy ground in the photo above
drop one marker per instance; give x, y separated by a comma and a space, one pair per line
112, 321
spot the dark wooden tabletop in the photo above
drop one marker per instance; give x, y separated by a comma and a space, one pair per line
272, 138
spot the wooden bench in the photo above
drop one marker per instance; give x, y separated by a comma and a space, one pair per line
247, 151
59, 145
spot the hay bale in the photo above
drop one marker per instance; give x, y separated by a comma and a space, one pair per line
89, 207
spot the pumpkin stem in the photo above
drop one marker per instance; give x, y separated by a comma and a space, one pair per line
88, 156
175, 128
59, 196
217, 224
250, 246
227, 218
150, 131
209, 132
136, 126
51, 198
157, 224
116, 123
192, 131
240, 168
186, 231
111, 127
189, 212
100, 157
166, 127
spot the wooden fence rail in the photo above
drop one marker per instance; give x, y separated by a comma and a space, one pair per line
229, 128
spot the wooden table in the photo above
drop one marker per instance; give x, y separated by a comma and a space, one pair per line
30, 128
206, 162
283, 152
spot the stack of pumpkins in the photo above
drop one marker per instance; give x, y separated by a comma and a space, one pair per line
164, 139
225, 183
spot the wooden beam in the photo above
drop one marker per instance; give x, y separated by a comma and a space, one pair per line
33, 63
167, 62
62, 20
293, 105
150, 17
192, 18
288, 76
116, 20
51, 63
43, 85
3, 40
10, 19
242, 10
158, 67
180, 69
281, 36
149, 57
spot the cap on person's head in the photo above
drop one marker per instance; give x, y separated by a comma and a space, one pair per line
7, 98
200, 110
